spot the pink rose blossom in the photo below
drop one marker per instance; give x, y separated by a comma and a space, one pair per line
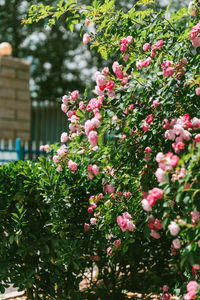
64, 108
159, 43
160, 175
173, 228
90, 210
87, 22
110, 85
93, 221
146, 47
109, 189
129, 39
158, 224
93, 138
74, 95
95, 169
176, 244
157, 193
197, 138
145, 127
86, 227
64, 137
59, 168
86, 38
81, 105
116, 243
149, 119
146, 206
70, 113
126, 56
56, 159
65, 99
72, 166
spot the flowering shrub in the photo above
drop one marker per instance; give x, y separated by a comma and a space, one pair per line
137, 142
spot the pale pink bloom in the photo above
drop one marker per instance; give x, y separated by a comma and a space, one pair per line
87, 22
101, 80
93, 221
95, 123
88, 126
70, 113
100, 196
196, 267
155, 234
86, 38
165, 123
130, 226
146, 47
178, 129
94, 148
65, 99
126, 56
124, 41
109, 189
197, 138
192, 9
56, 159
155, 103
186, 135
160, 175
74, 94
81, 151
116, 66
173, 228
176, 244
72, 127
64, 108
59, 168
46, 148
64, 137
139, 64
195, 216
81, 105
90, 168
157, 193
170, 135
195, 123
129, 39
97, 73
146, 206
159, 157
93, 138
86, 227
72, 166
122, 223
98, 115
192, 286
95, 169
123, 47
198, 91
174, 160
105, 71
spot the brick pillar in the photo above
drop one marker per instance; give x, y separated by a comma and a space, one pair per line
15, 105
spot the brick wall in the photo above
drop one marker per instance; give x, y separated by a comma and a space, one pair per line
15, 105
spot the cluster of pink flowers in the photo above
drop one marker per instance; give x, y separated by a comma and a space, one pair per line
140, 64
93, 170
72, 166
167, 67
45, 148
165, 163
148, 120
92, 135
165, 296
180, 67
62, 153
154, 47
178, 130
151, 198
195, 217
125, 42
104, 83
116, 243
194, 35
192, 287
154, 225
94, 105
125, 222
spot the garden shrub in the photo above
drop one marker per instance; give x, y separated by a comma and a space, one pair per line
132, 161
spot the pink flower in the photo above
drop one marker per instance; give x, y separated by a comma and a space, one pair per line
123, 47
65, 99
174, 160
148, 150
74, 95
109, 189
157, 193
86, 38
168, 72
180, 146
126, 215
195, 216
173, 228
165, 288
146, 206
64, 108
90, 175
93, 138
59, 168
155, 103
64, 137
165, 123
160, 175
151, 199
72, 166
159, 43
170, 135
155, 234
145, 127
56, 159
81, 105
86, 226
129, 39
95, 122
90, 210
146, 47
149, 119
95, 169
126, 56
109, 251
93, 221
87, 22
101, 80
197, 138
110, 85
158, 224
176, 244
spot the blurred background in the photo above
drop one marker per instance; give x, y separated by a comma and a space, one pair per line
59, 62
